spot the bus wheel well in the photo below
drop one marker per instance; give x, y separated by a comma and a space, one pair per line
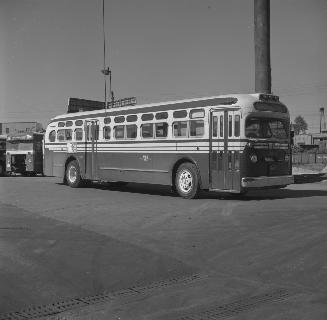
177, 164
69, 159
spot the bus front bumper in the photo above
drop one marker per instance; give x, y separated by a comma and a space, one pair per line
261, 182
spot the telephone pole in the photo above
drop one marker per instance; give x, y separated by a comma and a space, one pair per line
262, 46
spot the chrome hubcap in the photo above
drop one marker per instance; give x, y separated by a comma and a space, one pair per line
72, 174
185, 181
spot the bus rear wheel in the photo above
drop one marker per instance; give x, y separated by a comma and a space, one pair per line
187, 181
73, 175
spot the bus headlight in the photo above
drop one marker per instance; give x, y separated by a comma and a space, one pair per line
253, 158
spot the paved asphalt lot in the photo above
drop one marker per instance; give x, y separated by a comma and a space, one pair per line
152, 255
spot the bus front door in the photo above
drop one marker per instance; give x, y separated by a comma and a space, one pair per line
221, 172
91, 149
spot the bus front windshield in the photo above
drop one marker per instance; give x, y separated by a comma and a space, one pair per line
264, 128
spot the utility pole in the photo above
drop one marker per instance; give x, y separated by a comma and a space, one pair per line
262, 46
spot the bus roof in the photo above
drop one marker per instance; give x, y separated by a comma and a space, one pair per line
228, 100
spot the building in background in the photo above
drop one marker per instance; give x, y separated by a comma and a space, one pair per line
20, 127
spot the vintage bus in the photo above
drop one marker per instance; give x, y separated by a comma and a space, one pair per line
228, 143
24, 153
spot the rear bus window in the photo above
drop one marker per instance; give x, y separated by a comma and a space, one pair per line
180, 129
147, 130
52, 136
196, 128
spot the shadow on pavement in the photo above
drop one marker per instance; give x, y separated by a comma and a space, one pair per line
309, 178
45, 260
262, 194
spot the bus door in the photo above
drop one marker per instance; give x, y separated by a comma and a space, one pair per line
222, 158
91, 149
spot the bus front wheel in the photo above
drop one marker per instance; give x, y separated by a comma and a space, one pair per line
187, 181
73, 175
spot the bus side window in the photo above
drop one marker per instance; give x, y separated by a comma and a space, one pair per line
230, 125
119, 132
61, 135
52, 136
180, 128
161, 130
147, 130
107, 133
78, 134
221, 126
68, 134
215, 127
196, 128
237, 123
131, 131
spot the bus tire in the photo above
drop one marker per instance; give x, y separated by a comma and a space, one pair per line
73, 175
187, 181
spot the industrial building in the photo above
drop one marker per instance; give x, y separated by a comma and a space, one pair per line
20, 127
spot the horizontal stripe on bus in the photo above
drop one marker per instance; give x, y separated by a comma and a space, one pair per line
149, 141
164, 147
191, 151
150, 109
200, 145
133, 169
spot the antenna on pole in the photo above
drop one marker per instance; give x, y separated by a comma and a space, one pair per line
106, 70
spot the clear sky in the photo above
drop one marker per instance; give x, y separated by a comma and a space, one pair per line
158, 50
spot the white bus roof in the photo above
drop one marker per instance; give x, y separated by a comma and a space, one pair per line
244, 98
